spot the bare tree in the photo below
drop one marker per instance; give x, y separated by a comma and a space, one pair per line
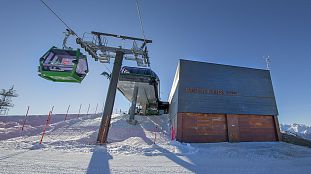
6, 100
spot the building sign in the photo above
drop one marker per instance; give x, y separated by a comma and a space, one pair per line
210, 91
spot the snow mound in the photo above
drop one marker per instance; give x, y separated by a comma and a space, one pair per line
70, 147
150, 137
184, 148
37, 146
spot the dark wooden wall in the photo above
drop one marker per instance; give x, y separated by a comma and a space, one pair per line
195, 127
202, 127
256, 128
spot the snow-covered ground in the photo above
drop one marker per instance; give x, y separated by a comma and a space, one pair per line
68, 147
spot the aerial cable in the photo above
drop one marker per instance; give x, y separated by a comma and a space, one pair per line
140, 20
141, 25
59, 18
65, 24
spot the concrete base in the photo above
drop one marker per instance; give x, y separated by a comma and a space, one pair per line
132, 122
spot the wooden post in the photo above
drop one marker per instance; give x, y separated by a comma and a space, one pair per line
67, 113
25, 118
46, 124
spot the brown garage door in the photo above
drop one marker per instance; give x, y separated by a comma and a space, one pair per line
256, 128
203, 127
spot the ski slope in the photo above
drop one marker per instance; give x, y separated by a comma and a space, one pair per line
68, 147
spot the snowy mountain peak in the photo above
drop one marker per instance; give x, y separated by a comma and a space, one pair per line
297, 129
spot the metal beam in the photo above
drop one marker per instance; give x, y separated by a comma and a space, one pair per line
112, 89
120, 36
113, 49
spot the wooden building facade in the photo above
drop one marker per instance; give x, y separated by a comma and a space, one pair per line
219, 103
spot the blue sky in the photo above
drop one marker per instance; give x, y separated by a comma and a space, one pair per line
237, 32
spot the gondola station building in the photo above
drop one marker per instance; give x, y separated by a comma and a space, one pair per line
218, 103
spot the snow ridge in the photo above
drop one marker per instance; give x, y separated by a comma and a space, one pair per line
300, 130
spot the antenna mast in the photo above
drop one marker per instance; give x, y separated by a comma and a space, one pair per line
268, 61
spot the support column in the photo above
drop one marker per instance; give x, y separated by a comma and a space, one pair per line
133, 107
144, 109
111, 94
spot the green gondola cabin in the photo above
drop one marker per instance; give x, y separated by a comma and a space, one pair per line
60, 65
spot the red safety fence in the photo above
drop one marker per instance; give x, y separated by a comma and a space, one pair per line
172, 133
46, 124
67, 113
25, 118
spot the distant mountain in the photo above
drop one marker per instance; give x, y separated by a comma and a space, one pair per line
301, 130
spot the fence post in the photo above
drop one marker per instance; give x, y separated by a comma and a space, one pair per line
79, 111
25, 118
96, 109
155, 135
172, 133
88, 109
46, 124
67, 113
